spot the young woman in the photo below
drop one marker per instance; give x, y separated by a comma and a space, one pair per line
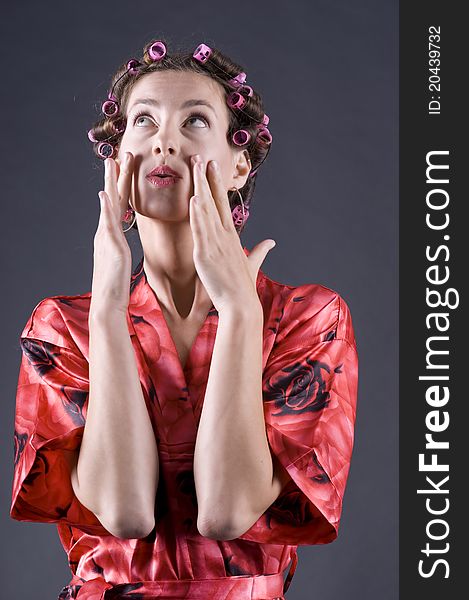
189, 424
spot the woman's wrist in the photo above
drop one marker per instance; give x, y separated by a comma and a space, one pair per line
251, 311
100, 314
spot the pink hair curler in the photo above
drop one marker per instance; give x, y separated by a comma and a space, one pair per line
91, 136
157, 51
105, 150
239, 218
235, 100
245, 89
132, 66
110, 107
265, 120
264, 135
241, 137
202, 53
238, 80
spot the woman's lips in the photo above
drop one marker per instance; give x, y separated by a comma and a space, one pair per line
162, 181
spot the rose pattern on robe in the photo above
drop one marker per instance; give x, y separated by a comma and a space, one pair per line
300, 387
42, 356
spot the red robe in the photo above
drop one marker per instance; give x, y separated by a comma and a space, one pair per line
310, 378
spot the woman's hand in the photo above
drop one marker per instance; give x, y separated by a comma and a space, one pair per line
112, 263
228, 275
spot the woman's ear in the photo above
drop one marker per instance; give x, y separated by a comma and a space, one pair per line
248, 158
242, 169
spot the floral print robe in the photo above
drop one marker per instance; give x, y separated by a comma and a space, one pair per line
310, 379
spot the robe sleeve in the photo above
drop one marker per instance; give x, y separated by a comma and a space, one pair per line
309, 391
52, 391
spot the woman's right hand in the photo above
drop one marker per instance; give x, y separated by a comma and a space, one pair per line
112, 261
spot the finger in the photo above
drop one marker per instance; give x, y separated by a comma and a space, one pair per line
124, 181
209, 219
259, 253
197, 177
220, 195
117, 206
106, 217
110, 187
199, 232
102, 216
202, 189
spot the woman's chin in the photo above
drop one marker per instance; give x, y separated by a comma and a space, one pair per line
164, 208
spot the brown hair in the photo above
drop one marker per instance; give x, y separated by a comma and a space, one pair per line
220, 68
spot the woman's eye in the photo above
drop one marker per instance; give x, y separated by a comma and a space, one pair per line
198, 118
139, 117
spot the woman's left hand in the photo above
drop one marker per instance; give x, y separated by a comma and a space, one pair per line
228, 275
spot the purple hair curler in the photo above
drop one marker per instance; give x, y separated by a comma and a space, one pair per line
157, 51
264, 135
110, 107
105, 150
132, 66
202, 53
235, 100
241, 137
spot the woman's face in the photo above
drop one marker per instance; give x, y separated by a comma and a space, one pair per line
183, 114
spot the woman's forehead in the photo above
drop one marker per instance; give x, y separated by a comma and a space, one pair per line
168, 87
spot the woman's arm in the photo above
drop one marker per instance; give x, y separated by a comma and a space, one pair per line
233, 468
117, 471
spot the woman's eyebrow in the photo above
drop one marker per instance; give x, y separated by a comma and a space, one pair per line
186, 104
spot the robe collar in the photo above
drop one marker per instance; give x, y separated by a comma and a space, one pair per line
171, 388
141, 295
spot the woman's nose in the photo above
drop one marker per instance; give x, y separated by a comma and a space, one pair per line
163, 149
165, 142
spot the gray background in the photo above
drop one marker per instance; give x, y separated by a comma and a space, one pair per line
328, 194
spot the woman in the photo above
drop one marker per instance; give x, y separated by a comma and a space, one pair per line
188, 431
